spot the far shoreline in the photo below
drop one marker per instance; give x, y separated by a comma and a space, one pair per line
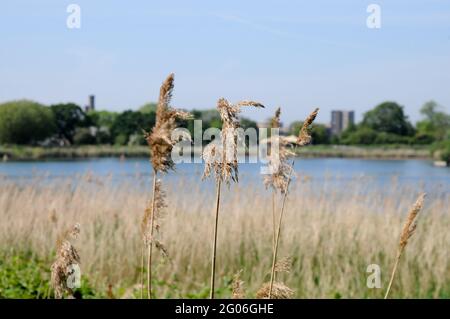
36, 153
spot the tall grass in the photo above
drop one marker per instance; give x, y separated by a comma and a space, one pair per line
279, 179
222, 162
333, 229
408, 230
161, 143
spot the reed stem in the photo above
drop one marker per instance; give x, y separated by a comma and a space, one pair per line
142, 270
275, 250
150, 244
213, 261
394, 270
274, 227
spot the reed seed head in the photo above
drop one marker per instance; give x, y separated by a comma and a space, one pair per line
160, 139
304, 137
237, 286
410, 225
279, 169
279, 291
221, 156
275, 122
284, 265
161, 247
66, 256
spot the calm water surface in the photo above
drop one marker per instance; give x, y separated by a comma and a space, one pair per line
379, 173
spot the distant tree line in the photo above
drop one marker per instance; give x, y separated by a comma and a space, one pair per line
387, 124
25, 122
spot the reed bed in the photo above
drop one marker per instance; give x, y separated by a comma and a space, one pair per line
331, 233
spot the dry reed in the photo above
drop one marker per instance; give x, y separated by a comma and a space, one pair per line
274, 290
161, 144
281, 174
221, 160
277, 165
66, 258
408, 230
237, 286
304, 137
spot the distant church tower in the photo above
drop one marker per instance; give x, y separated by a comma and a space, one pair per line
91, 106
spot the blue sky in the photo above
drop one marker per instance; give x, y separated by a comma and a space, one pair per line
293, 54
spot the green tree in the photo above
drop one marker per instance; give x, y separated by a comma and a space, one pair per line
189, 124
102, 119
319, 134
247, 123
83, 136
295, 127
389, 138
441, 150
129, 123
67, 118
361, 135
25, 122
148, 108
215, 122
388, 117
436, 123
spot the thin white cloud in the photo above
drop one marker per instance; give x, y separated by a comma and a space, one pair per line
281, 33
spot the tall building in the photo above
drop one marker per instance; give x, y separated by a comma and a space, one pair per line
341, 120
348, 119
336, 122
91, 106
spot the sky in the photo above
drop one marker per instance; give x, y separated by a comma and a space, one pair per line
294, 54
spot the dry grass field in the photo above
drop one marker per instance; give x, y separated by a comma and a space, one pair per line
330, 233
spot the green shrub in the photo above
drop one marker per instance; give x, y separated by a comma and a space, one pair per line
441, 150
389, 138
83, 136
25, 122
23, 276
422, 138
361, 136
121, 139
137, 139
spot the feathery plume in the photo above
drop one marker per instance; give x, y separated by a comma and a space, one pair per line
160, 140
221, 156
279, 168
284, 265
249, 103
276, 122
278, 291
410, 225
237, 286
408, 230
66, 256
304, 137
159, 213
